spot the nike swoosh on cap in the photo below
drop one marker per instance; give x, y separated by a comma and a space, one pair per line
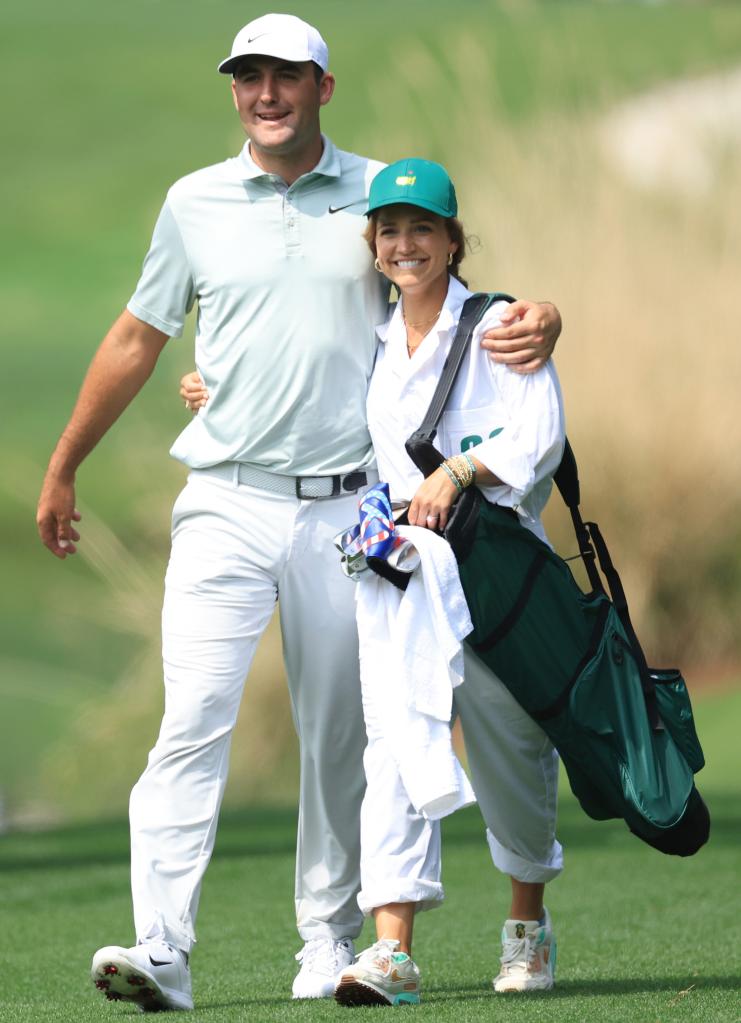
336, 209
258, 36
154, 962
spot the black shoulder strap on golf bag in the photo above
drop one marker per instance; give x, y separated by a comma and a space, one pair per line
592, 547
419, 446
471, 315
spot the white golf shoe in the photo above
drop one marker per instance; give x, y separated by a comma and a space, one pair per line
321, 960
381, 975
528, 956
153, 975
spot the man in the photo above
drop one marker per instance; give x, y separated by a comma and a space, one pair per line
270, 246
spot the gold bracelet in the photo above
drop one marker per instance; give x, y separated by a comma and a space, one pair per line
466, 468
459, 470
462, 469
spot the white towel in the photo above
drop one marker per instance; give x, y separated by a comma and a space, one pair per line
411, 660
433, 620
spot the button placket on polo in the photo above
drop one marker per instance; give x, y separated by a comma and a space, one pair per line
289, 215
291, 223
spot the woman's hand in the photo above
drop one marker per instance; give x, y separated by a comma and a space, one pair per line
431, 504
193, 391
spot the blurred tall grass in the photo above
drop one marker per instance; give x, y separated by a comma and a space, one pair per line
512, 98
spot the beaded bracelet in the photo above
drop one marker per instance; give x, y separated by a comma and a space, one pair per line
453, 469
453, 478
461, 469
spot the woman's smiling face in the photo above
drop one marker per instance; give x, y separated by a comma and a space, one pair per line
413, 246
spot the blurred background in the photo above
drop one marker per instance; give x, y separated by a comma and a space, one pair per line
596, 148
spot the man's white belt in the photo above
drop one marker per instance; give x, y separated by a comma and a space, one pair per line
306, 488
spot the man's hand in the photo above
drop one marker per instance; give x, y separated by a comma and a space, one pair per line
121, 366
193, 391
527, 337
55, 515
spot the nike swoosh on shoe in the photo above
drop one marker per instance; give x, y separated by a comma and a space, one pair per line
154, 962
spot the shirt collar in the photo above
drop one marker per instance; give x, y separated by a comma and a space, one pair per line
328, 166
451, 311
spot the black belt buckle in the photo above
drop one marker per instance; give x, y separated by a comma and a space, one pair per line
353, 481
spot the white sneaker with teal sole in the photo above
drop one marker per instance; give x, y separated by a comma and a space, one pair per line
528, 956
381, 975
153, 975
321, 960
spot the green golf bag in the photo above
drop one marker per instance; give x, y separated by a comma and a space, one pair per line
572, 660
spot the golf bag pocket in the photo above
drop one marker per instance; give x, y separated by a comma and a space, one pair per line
676, 712
639, 764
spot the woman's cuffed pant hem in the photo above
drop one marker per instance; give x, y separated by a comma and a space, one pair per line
521, 869
426, 896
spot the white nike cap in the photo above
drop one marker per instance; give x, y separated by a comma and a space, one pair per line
277, 35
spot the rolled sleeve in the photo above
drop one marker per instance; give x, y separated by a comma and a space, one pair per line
166, 291
530, 446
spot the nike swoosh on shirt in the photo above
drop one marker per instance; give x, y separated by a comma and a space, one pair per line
336, 209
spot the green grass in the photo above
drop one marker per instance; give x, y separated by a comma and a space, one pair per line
642, 937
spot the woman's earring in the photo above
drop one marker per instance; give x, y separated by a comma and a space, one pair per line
377, 265
450, 259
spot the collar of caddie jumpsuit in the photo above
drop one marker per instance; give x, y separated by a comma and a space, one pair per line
328, 166
451, 311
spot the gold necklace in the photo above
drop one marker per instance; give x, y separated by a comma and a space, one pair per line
421, 323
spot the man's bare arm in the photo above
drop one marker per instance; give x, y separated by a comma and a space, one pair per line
527, 337
120, 368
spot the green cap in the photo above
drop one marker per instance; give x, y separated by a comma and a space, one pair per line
417, 182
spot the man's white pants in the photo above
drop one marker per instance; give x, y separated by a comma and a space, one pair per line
235, 549
514, 772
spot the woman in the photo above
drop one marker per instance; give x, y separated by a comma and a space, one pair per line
503, 432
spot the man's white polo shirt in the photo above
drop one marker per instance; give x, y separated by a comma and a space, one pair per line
513, 424
287, 301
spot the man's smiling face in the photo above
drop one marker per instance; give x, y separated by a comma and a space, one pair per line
278, 103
